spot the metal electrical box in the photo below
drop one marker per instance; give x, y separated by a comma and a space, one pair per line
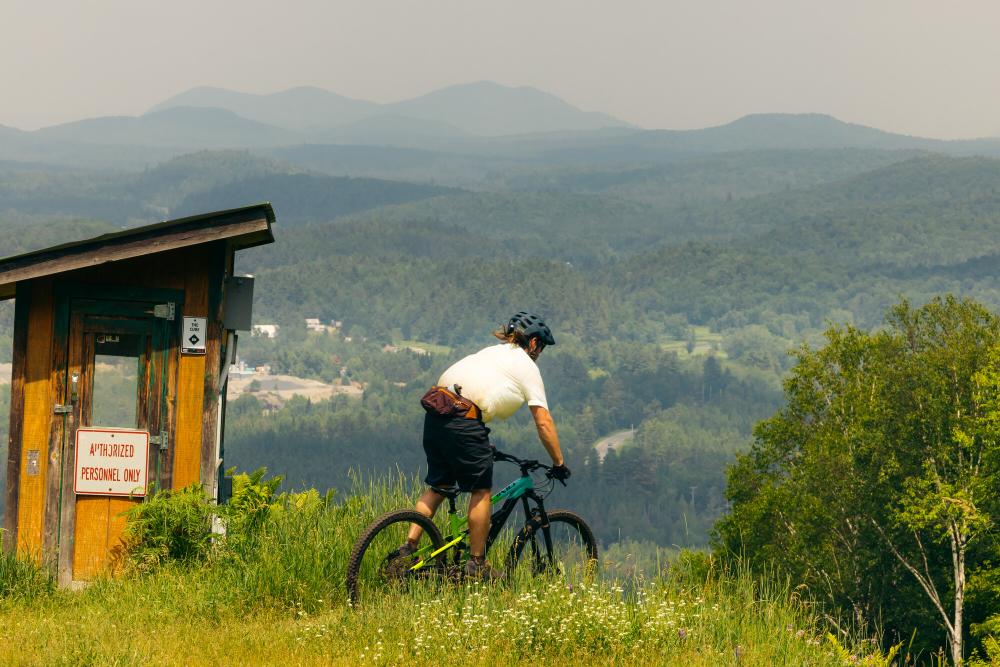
238, 314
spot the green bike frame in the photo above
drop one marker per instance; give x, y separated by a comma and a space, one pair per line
521, 489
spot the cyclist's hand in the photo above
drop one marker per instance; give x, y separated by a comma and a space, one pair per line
561, 473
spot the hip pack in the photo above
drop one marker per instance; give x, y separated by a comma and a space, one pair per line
447, 403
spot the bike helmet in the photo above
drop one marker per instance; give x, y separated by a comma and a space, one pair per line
530, 325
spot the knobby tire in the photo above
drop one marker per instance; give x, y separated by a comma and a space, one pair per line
364, 542
532, 539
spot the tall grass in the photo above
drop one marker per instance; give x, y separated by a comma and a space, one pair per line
22, 579
280, 599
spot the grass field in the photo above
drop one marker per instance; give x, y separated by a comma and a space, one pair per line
279, 599
705, 342
432, 348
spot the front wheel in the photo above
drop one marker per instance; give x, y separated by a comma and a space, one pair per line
375, 564
570, 550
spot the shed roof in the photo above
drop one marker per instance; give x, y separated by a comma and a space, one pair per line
244, 227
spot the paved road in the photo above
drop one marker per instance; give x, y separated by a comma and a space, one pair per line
613, 441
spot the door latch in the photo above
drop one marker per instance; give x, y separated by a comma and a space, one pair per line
165, 311
162, 439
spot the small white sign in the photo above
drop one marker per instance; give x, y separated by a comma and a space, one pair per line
111, 462
193, 335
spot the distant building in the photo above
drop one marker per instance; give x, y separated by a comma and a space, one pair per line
265, 330
313, 324
240, 368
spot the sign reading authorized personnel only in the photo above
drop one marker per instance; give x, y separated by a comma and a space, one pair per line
111, 462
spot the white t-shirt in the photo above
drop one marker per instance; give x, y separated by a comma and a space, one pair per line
498, 379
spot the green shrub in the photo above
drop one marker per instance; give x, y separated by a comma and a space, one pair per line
991, 645
694, 568
298, 559
168, 526
249, 507
176, 526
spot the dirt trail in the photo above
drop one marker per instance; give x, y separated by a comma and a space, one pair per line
613, 441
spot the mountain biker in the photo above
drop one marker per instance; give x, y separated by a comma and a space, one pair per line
490, 384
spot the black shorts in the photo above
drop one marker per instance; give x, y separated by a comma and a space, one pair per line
458, 452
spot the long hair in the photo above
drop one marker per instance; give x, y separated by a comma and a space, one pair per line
515, 337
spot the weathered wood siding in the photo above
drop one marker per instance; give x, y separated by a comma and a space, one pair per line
13, 468
39, 382
36, 422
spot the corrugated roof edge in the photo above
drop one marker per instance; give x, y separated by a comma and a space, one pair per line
27, 266
138, 231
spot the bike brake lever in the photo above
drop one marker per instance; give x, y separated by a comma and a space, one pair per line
549, 475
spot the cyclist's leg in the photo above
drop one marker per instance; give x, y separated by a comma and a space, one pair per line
479, 521
472, 460
426, 505
439, 471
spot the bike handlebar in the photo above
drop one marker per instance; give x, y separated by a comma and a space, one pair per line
526, 465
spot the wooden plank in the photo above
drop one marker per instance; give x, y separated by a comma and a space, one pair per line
116, 528
59, 428
173, 279
190, 401
170, 418
13, 469
213, 367
90, 544
191, 379
116, 250
112, 283
37, 417
75, 354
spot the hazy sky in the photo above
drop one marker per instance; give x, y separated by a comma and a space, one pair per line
921, 67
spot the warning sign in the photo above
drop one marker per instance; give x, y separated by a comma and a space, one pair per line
111, 462
193, 335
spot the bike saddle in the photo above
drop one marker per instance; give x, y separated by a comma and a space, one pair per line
446, 491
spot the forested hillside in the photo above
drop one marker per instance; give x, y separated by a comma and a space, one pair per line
675, 291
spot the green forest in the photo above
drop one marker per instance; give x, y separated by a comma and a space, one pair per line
729, 310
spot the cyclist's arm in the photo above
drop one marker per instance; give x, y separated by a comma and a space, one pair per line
547, 433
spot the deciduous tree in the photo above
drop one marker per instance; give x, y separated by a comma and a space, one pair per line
881, 469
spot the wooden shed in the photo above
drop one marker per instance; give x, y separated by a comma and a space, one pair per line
121, 349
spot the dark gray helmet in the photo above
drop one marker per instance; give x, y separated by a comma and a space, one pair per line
530, 325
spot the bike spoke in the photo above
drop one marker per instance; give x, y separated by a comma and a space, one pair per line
568, 550
378, 564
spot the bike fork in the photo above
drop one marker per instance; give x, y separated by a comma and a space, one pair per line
543, 518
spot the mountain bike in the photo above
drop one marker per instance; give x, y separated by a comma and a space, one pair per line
551, 541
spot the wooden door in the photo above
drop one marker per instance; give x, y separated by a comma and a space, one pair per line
116, 366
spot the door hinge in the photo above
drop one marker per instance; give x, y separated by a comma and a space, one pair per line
160, 440
165, 311
60, 409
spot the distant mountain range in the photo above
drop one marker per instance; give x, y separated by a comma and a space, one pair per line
483, 108
472, 129
296, 108
179, 126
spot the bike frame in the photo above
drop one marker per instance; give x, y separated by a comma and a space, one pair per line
521, 489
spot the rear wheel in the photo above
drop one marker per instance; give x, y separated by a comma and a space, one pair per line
375, 564
573, 546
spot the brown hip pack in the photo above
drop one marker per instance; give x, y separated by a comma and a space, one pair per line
447, 403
